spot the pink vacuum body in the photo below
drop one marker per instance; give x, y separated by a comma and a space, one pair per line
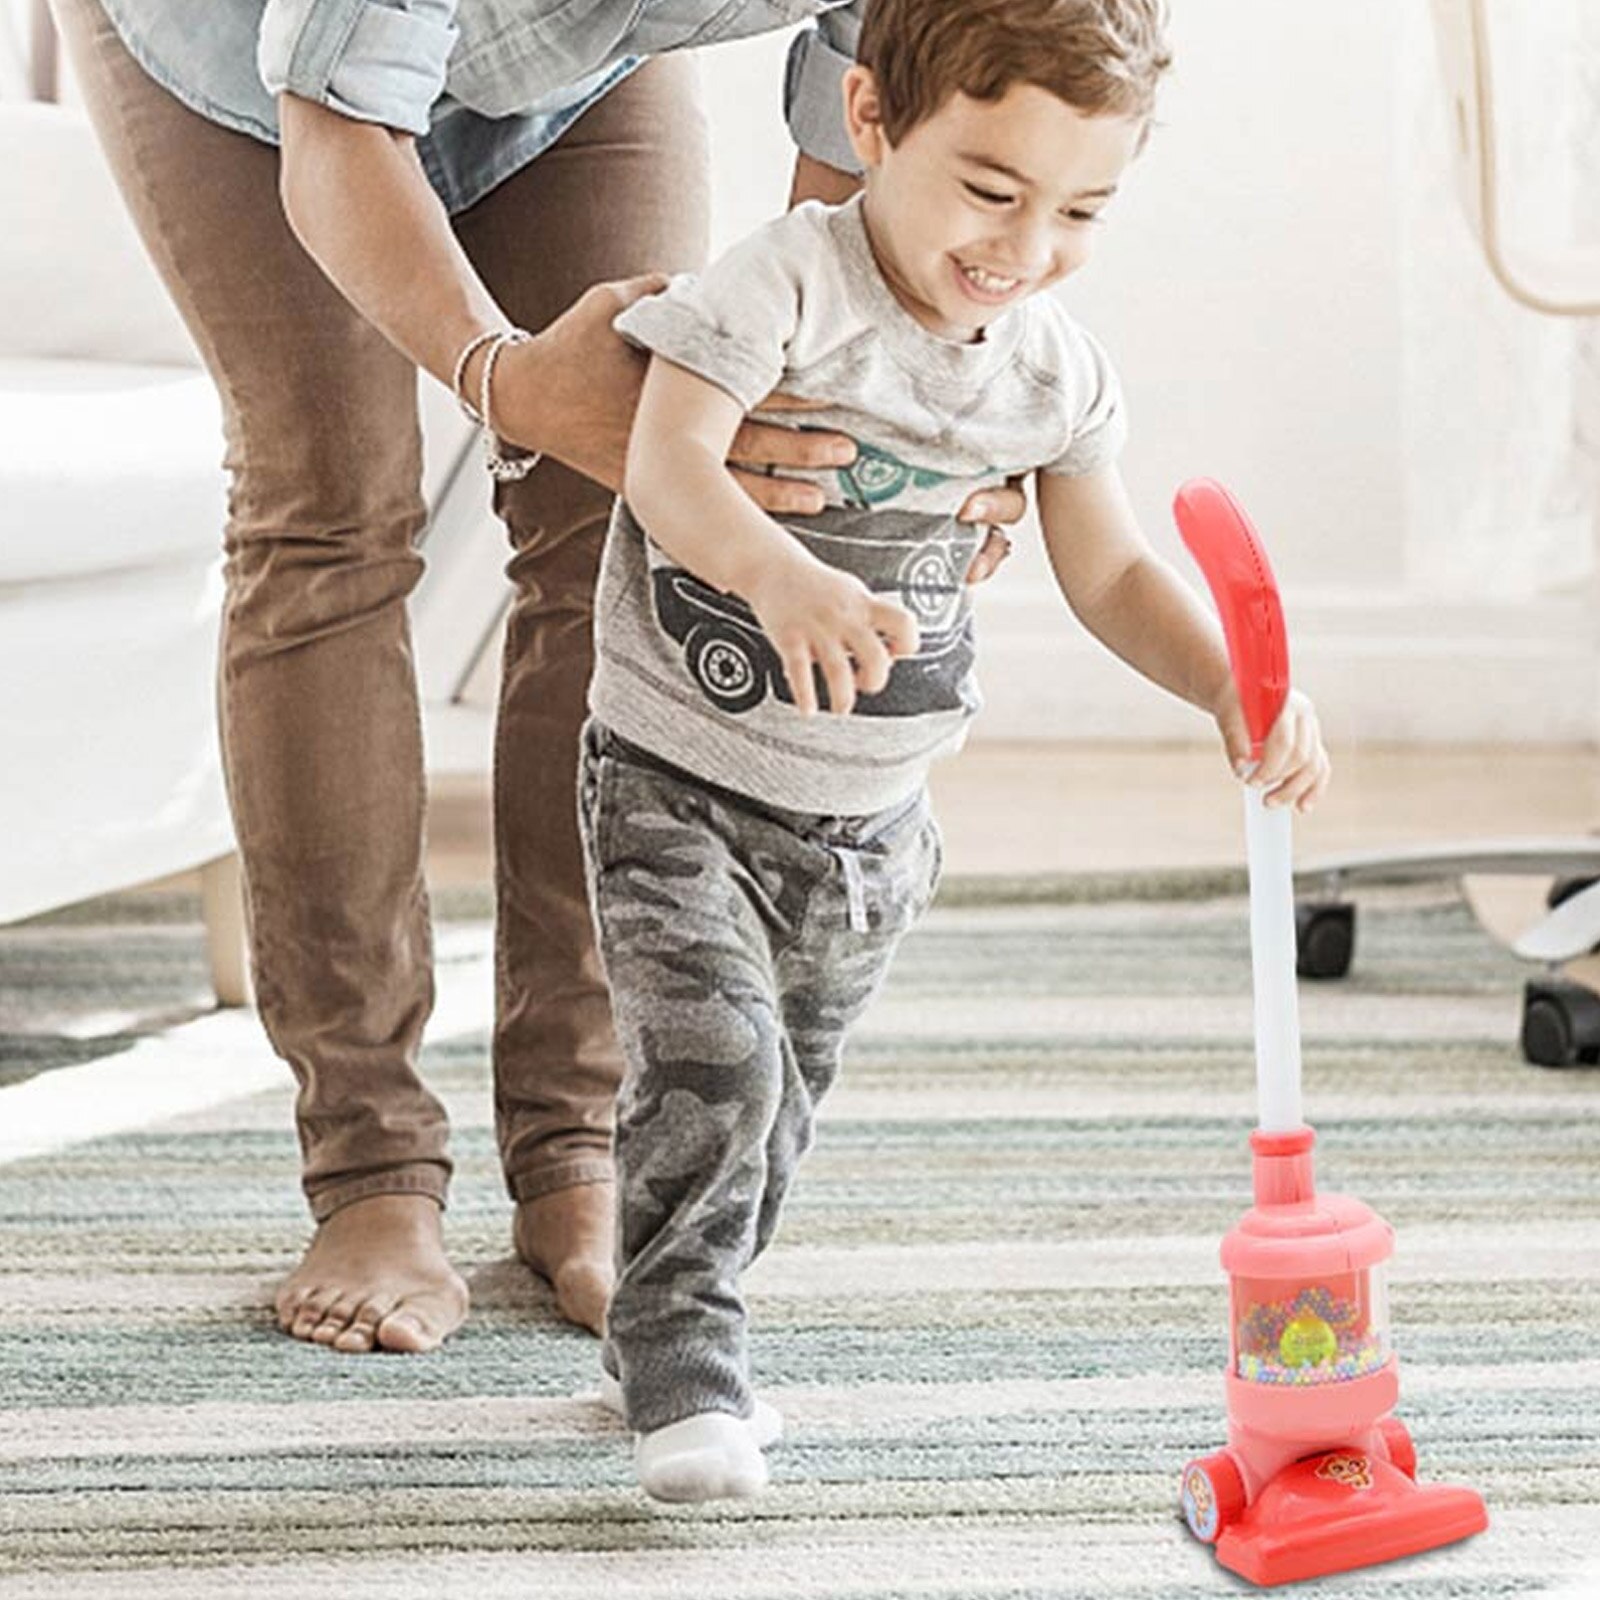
1318, 1475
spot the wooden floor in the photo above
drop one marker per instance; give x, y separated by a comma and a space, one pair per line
1011, 808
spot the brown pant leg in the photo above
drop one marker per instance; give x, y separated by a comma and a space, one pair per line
624, 192
319, 708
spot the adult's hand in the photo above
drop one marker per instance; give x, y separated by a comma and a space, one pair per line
762, 452
571, 392
999, 508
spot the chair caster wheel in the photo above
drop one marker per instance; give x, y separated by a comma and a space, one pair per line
1560, 1023
1325, 937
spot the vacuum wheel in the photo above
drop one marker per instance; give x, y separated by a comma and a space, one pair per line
1560, 1023
1397, 1439
1325, 937
1212, 1495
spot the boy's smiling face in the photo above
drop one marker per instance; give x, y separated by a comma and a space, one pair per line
987, 201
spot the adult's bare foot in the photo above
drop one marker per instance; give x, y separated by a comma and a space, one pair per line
375, 1277
566, 1237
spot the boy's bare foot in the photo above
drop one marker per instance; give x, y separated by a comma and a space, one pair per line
566, 1237
375, 1277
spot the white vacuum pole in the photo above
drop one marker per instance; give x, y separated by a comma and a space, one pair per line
1272, 960
1220, 538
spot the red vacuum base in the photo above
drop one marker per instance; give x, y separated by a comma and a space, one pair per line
1339, 1510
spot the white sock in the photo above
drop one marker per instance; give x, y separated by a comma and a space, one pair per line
711, 1456
765, 1422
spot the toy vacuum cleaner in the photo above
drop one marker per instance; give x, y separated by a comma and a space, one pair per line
1318, 1476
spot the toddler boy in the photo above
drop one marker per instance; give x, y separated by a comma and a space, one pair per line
753, 863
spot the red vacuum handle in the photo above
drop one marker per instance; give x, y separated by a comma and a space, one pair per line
1220, 538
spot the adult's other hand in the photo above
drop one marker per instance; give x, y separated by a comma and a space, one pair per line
573, 389
999, 508
763, 452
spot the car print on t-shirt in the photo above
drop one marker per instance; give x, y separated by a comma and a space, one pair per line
875, 477
916, 558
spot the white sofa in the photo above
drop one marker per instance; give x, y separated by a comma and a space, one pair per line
111, 508
111, 498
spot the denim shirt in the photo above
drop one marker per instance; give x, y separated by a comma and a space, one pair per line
485, 85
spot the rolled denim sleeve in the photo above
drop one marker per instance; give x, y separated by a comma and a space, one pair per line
375, 60
813, 101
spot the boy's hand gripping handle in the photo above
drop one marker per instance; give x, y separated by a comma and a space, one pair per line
1220, 538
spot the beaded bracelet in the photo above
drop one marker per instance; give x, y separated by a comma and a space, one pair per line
502, 468
458, 376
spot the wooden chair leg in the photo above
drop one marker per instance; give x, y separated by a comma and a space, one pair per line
222, 902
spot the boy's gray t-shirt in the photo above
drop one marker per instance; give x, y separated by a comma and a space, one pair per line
684, 670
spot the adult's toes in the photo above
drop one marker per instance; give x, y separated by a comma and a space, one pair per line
335, 1319
289, 1304
360, 1335
404, 1329
309, 1313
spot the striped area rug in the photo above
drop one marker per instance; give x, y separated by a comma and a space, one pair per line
994, 1319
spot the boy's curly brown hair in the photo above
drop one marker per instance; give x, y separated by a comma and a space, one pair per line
1100, 56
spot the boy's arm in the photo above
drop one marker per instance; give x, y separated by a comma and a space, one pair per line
1124, 593
1135, 604
677, 485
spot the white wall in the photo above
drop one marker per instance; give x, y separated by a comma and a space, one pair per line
1297, 308
14, 48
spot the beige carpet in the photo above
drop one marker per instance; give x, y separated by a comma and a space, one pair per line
994, 1318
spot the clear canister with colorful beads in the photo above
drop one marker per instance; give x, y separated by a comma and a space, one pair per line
1300, 1331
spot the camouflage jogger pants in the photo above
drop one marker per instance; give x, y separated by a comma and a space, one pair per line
739, 941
